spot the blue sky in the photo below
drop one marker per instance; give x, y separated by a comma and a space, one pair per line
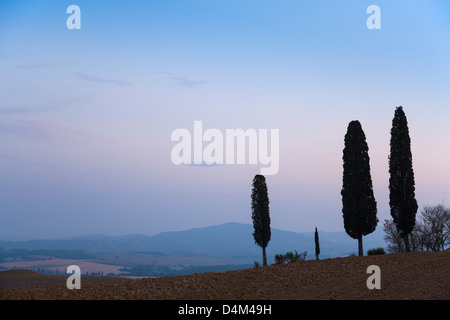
86, 115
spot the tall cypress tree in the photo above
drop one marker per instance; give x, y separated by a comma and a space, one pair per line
359, 207
316, 240
401, 181
260, 214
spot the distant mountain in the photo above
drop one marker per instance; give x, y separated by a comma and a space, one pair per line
229, 240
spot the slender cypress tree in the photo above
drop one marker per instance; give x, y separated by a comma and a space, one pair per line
401, 181
316, 240
260, 214
359, 207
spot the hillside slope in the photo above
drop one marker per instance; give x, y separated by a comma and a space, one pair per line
418, 275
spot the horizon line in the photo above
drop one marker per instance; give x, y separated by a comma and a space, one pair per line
171, 231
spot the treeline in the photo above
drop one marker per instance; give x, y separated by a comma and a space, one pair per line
40, 254
58, 272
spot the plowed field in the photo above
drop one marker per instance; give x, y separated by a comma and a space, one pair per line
418, 275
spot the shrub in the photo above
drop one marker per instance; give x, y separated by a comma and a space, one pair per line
376, 251
279, 259
289, 257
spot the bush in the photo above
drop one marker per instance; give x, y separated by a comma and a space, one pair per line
376, 251
289, 257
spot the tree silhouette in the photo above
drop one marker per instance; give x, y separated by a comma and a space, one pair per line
434, 227
260, 214
316, 240
401, 181
359, 207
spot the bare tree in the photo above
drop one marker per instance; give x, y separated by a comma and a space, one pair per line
431, 233
395, 243
433, 227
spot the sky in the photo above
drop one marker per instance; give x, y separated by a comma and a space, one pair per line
86, 115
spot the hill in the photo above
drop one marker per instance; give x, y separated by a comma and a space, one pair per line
230, 240
417, 275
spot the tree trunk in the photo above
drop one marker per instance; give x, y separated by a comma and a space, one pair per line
406, 239
264, 256
360, 246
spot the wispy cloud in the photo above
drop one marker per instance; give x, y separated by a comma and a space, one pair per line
47, 130
35, 107
86, 77
37, 67
25, 110
182, 81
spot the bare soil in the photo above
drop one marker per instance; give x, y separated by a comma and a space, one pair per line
418, 275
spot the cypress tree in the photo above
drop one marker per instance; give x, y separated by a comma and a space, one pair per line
359, 207
401, 181
260, 214
316, 240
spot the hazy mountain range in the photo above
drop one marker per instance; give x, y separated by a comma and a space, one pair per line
230, 240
